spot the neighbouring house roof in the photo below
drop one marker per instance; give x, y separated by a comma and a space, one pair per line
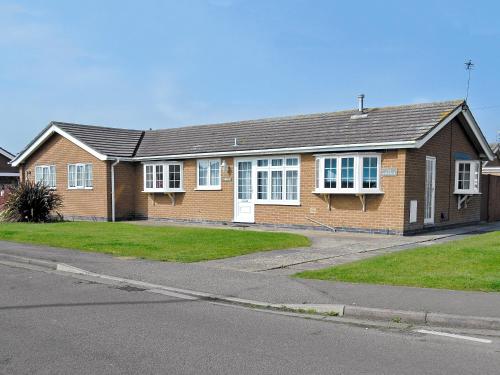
5, 169
6, 153
493, 166
407, 126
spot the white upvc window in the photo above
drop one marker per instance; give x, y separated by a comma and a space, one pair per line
163, 177
467, 176
348, 174
80, 176
278, 180
208, 174
46, 174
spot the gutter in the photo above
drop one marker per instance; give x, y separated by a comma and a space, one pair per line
113, 206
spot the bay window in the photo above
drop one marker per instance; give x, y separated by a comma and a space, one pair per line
163, 177
46, 174
348, 174
278, 180
467, 177
209, 174
80, 176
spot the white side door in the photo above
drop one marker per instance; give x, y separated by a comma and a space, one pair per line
430, 189
244, 206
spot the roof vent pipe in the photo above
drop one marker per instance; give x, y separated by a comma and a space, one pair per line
361, 98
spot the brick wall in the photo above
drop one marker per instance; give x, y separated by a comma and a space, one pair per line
86, 203
192, 205
450, 140
383, 212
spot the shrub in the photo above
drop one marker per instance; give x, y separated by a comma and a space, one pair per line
31, 202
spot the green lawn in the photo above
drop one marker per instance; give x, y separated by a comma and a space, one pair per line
167, 243
469, 264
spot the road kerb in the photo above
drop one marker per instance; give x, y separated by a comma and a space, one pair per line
349, 311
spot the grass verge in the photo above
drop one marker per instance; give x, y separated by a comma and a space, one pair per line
166, 243
470, 264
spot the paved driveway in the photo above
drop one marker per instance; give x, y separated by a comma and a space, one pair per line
330, 248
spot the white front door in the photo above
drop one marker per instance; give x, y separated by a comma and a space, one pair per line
244, 205
430, 189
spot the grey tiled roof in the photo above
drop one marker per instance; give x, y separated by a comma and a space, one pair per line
107, 141
380, 125
387, 124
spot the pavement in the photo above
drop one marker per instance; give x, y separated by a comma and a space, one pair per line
54, 324
274, 288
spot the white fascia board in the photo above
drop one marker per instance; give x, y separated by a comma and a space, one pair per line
491, 169
294, 150
479, 134
7, 154
54, 129
471, 122
9, 174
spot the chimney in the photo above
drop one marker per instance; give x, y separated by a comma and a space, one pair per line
361, 98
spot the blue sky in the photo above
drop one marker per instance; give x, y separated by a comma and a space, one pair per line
157, 64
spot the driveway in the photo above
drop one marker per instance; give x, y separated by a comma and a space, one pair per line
333, 248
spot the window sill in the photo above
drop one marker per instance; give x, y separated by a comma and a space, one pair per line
339, 192
467, 193
277, 203
86, 188
214, 188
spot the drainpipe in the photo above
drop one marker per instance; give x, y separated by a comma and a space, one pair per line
113, 189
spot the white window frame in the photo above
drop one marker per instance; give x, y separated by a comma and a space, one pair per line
475, 177
51, 176
166, 176
208, 186
358, 174
269, 169
84, 185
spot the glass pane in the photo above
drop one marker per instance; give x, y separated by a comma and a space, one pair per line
149, 176
330, 173
45, 176
38, 174
79, 175
347, 173
214, 173
370, 172
203, 173
88, 175
262, 184
159, 176
244, 180
262, 163
464, 176
292, 185
52, 173
71, 176
276, 185
317, 173
276, 162
292, 161
174, 176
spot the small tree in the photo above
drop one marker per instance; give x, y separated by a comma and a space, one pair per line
31, 202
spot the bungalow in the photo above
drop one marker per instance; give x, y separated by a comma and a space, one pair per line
8, 175
395, 169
